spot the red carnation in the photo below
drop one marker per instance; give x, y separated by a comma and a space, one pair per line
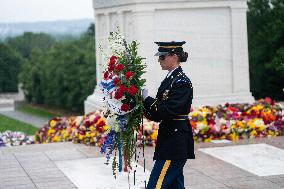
116, 81
88, 122
112, 60
128, 74
119, 67
110, 67
132, 90
122, 88
125, 107
106, 75
96, 119
101, 123
118, 95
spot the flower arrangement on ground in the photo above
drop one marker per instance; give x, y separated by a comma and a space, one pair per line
14, 138
121, 85
263, 118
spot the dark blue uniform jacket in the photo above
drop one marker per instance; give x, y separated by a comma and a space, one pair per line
171, 107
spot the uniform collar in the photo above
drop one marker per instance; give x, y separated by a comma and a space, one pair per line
168, 81
174, 71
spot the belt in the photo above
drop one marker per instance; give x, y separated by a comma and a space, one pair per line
181, 117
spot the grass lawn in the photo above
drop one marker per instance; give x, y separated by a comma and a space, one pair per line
37, 111
7, 123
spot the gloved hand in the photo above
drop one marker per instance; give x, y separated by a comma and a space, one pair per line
144, 93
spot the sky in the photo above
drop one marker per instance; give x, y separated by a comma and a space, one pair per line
44, 10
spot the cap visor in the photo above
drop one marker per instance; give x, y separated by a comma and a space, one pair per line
161, 53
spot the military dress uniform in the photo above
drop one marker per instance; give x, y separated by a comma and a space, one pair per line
175, 140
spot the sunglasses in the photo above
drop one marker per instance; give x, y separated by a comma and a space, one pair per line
163, 57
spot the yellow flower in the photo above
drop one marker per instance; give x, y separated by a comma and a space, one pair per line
234, 126
88, 134
93, 134
271, 133
56, 138
207, 140
91, 128
234, 136
65, 134
52, 123
105, 127
251, 124
81, 137
256, 108
50, 131
253, 133
261, 128
154, 135
205, 111
241, 124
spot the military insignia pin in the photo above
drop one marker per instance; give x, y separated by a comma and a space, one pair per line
165, 95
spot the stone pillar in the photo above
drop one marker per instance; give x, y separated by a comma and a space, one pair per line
240, 51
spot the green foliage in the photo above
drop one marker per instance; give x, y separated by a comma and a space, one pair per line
63, 75
32, 76
71, 76
266, 43
26, 43
10, 62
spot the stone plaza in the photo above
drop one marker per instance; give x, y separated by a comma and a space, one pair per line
70, 166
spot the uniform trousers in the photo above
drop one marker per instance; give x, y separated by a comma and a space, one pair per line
167, 174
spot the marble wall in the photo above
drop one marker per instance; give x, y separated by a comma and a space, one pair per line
216, 36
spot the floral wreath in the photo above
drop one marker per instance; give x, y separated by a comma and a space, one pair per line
123, 108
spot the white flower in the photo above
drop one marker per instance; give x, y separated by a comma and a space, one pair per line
111, 121
259, 122
200, 125
232, 122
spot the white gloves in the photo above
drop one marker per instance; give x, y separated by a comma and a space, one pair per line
144, 93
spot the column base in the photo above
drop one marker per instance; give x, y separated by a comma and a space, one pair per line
94, 102
203, 100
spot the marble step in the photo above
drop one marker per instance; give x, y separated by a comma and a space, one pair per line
7, 105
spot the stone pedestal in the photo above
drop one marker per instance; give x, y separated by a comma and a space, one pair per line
216, 36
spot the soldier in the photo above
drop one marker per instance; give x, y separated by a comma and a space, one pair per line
171, 107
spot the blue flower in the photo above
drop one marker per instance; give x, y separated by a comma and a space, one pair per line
122, 121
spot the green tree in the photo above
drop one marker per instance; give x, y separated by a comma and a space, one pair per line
32, 76
72, 75
10, 62
266, 42
25, 43
63, 75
